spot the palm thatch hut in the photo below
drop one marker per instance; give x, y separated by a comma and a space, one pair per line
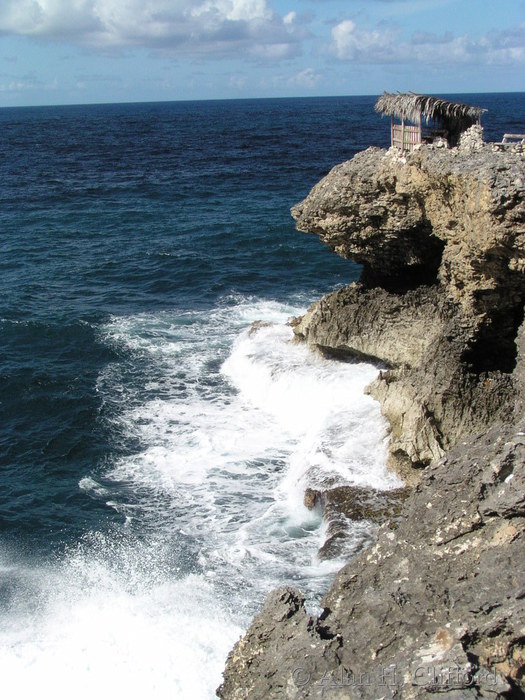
443, 118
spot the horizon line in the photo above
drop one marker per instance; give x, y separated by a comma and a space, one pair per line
235, 99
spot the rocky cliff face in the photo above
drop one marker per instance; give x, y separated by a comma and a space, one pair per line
437, 604
441, 238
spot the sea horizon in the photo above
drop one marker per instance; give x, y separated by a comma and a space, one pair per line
444, 94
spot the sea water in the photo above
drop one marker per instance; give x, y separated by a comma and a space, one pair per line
155, 447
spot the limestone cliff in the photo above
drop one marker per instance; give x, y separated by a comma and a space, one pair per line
437, 605
441, 237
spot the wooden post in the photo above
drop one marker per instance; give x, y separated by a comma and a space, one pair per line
403, 135
392, 130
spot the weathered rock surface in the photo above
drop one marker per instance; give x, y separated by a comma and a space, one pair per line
441, 237
437, 604
436, 214
343, 505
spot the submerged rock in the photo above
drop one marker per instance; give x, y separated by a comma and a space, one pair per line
343, 505
257, 325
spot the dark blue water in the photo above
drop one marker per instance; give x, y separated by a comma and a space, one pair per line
122, 209
138, 240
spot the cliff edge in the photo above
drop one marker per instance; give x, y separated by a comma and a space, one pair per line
441, 238
437, 605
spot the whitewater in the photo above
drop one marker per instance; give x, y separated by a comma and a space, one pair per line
230, 424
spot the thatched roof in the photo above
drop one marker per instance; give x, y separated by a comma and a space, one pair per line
410, 106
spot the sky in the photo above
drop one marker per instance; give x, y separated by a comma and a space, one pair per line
90, 51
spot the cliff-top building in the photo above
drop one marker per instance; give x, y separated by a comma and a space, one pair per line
443, 119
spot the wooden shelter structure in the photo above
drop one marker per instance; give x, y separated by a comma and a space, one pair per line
443, 118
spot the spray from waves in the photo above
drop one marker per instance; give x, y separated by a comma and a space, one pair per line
217, 431
111, 620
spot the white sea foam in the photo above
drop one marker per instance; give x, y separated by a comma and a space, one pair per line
101, 631
229, 427
92, 486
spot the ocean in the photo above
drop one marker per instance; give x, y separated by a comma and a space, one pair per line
154, 449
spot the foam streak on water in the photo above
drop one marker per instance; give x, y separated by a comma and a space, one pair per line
224, 429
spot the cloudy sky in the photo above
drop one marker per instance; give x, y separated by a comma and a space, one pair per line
82, 51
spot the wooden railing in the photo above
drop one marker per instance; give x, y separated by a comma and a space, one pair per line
509, 140
514, 138
406, 137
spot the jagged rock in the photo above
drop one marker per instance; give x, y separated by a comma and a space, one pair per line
257, 325
441, 237
312, 498
437, 604
471, 139
256, 666
357, 502
392, 329
343, 505
447, 215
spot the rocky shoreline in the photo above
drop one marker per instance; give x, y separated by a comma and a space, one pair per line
437, 604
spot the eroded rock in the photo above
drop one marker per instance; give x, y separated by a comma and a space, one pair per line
343, 506
441, 236
436, 606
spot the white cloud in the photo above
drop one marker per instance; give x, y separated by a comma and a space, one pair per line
307, 78
430, 38
271, 51
384, 45
237, 81
192, 27
350, 43
26, 83
234, 10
